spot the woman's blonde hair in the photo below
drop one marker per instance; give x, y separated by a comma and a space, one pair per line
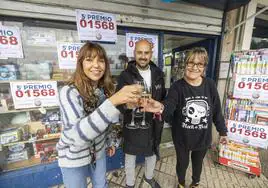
197, 52
82, 82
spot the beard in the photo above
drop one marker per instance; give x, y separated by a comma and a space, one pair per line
141, 66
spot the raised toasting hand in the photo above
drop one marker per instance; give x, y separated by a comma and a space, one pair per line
128, 94
152, 105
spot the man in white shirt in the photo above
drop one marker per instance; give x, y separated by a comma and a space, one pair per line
142, 131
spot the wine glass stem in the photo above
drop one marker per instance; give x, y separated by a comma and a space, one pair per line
143, 118
132, 119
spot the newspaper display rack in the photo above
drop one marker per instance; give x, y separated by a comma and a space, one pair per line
246, 111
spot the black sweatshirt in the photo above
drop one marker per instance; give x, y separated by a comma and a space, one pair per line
191, 110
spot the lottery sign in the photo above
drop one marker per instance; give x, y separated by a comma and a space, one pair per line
96, 26
10, 42
34, 94
253, 87
132, 38
248, 133
67, 54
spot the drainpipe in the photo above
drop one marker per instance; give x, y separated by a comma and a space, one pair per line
218, 59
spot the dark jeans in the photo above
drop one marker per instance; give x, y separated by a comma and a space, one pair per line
183, 162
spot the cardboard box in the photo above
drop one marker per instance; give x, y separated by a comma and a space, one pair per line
11, 136
44, 148
18, 156
8, 72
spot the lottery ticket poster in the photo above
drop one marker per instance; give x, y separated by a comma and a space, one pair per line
96, 26
67, 54
10, 42
132, 38
34, 94
248, 133
254, 87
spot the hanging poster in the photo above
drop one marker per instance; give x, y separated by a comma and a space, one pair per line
248, 133
224, 67
10, 42
132, 38
96, 26
67, 54
40, 36
254, 87
34, 94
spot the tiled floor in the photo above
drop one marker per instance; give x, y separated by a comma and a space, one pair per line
213, 176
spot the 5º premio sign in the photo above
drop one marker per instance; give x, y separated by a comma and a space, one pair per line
132, 38
34, 94
248, 133
10, 42
96, 26
254, 87
67, 54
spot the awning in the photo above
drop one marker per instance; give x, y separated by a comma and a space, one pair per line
215, 4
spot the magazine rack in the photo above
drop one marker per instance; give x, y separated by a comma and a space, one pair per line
246, 111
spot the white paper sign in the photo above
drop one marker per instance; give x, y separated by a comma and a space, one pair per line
40, 37
34, 94
67, 54
224, 67
10, 42
247, 133
132, 38
96, 26
253, 87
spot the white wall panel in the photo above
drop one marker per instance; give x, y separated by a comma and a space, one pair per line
262, 2
179, 7
178, 18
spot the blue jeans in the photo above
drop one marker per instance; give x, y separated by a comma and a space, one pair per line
77, 177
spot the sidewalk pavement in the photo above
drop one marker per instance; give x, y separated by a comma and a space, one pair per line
213, 176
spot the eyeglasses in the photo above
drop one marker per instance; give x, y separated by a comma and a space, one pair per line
192, 64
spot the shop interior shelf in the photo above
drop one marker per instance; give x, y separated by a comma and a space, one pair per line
51, 137
28, 109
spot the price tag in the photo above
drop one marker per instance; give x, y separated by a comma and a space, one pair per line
67, 54
247, 133
254, 87
132, 38
96, 26
34, 94
10, 42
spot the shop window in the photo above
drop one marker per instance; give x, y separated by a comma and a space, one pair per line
28, 136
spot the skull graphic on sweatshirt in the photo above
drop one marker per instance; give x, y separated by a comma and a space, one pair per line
195, 111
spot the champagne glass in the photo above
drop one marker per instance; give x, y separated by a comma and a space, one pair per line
133, 124
132, 105
146, 94
138, 114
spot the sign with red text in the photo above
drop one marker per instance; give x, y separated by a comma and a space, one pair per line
96, 26
34, 94
132, 38
254, 87
248, 133
10, 42
67, 54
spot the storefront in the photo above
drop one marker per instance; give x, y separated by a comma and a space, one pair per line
42, 24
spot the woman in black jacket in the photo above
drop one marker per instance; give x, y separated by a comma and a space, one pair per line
192, 105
